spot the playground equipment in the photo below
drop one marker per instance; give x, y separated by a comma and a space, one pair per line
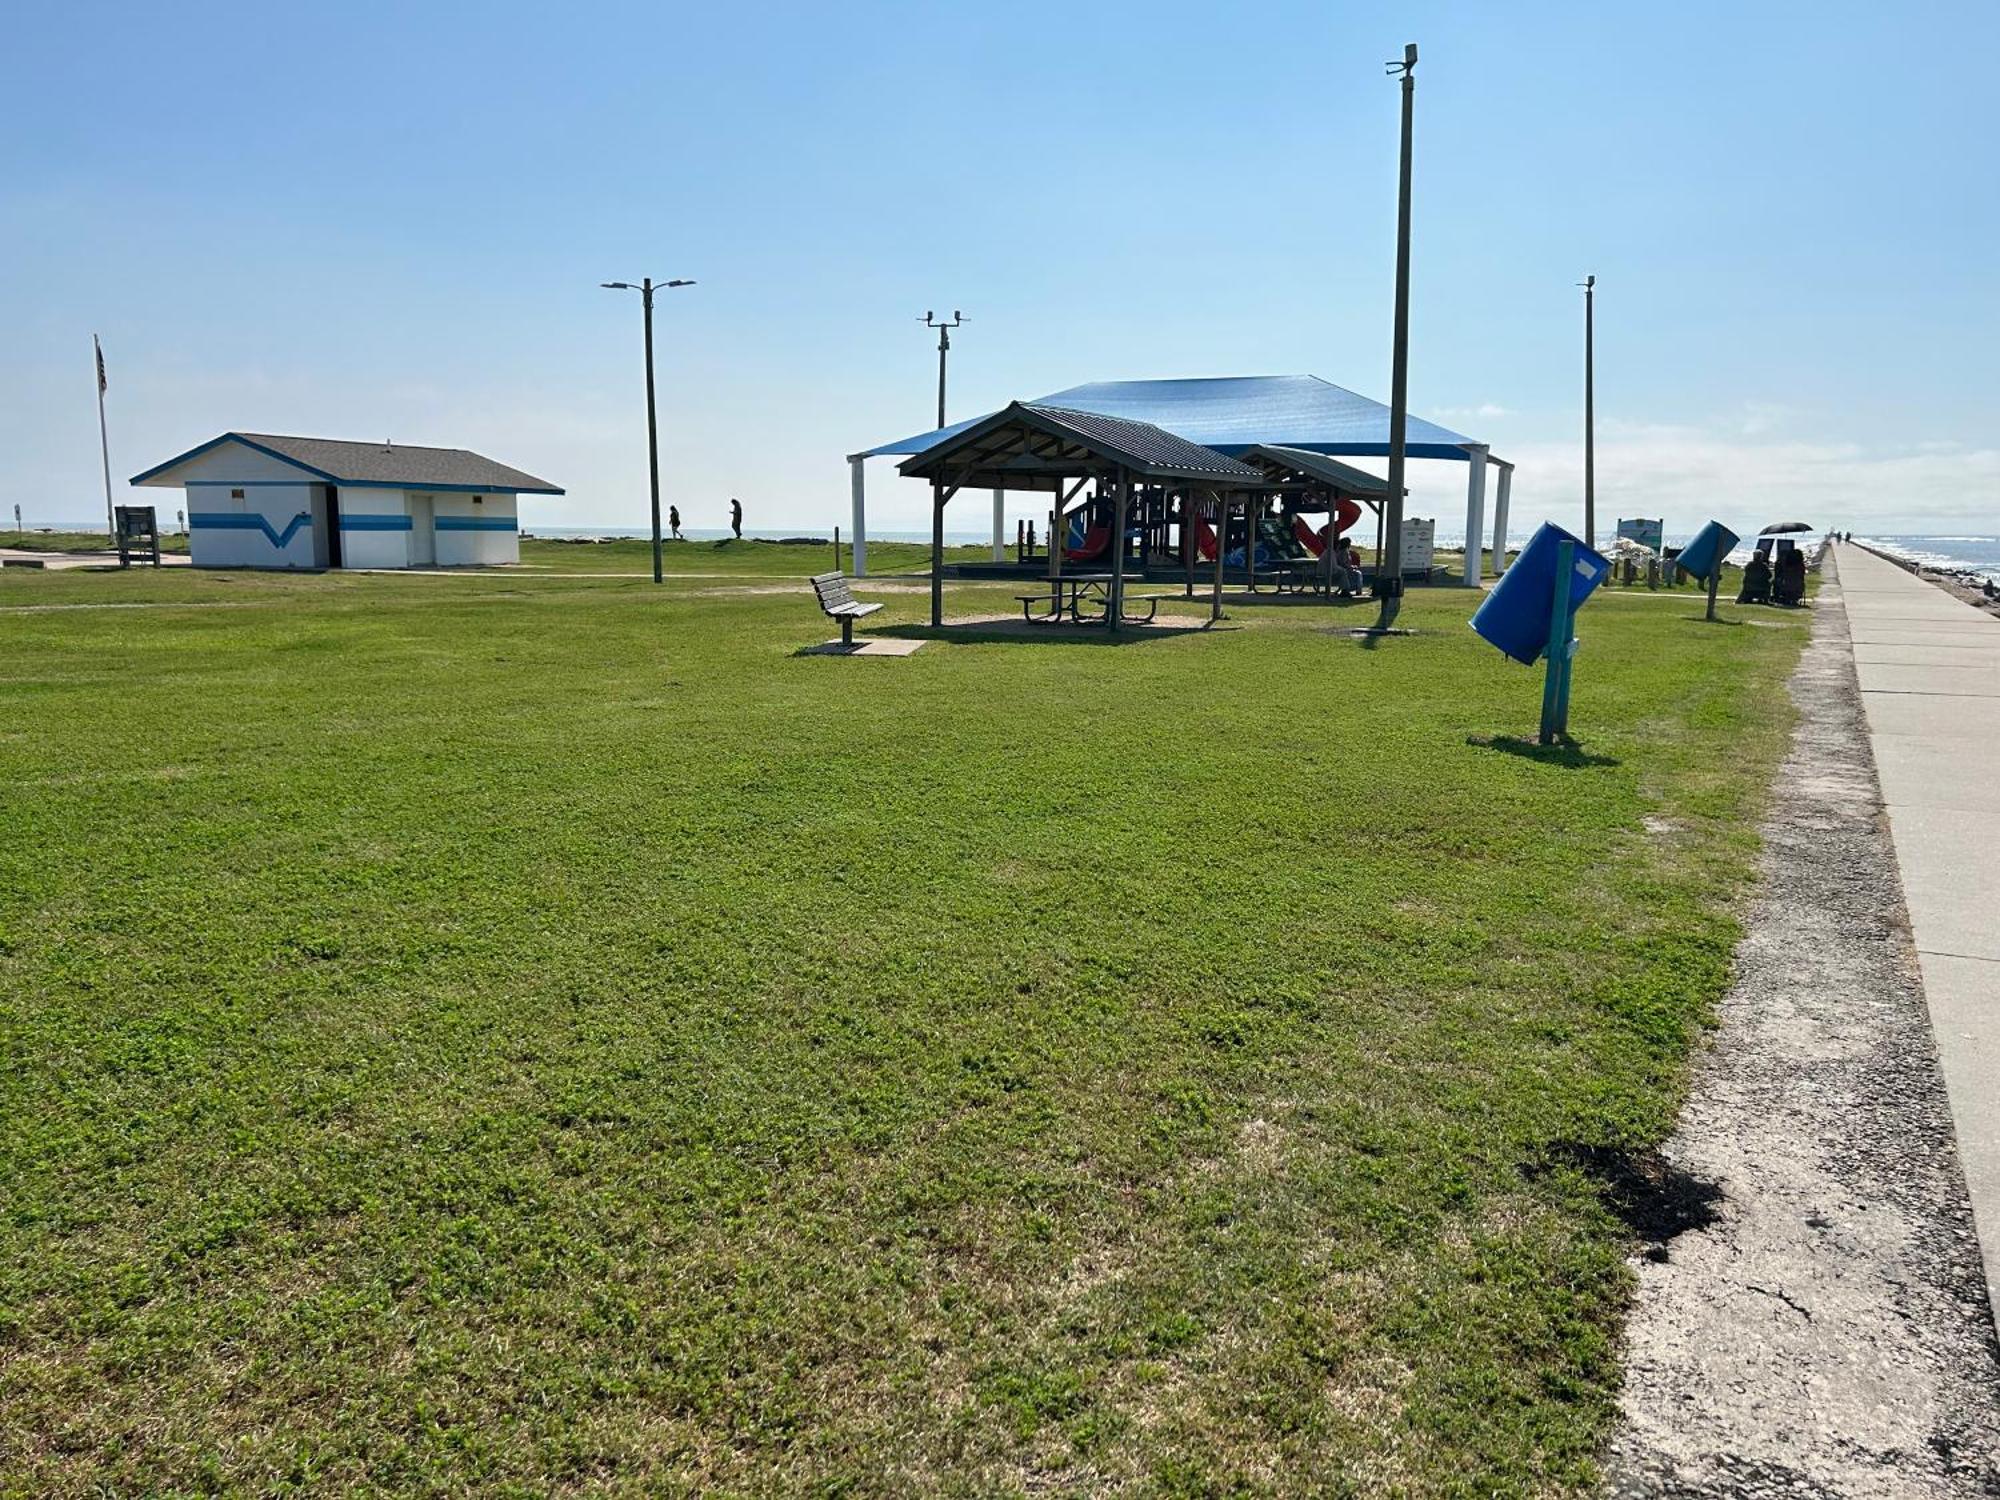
1530, 612
1090, 546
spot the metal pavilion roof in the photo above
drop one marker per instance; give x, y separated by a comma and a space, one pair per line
1036, 446
1336, 475
397, 465
1234, 413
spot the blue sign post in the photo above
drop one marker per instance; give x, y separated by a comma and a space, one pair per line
1531, 612
1560, 652
1702, 558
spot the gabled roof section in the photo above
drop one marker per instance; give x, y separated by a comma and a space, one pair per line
1331, 472
1032, 446
390, 465
1233, 413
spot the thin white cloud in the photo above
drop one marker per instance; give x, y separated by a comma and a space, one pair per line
1689, 474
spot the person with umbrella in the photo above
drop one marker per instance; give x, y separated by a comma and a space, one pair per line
1788, 575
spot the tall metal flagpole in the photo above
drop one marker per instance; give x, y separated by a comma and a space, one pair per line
1590, 411
645, 288
1389, 561
104, 441
652, 429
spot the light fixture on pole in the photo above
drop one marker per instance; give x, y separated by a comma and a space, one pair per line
1389, 560
645, 288
931, 320
1589, 285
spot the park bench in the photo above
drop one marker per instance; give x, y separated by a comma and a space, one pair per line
836, 599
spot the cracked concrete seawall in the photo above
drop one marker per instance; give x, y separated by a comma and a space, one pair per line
1829, 1333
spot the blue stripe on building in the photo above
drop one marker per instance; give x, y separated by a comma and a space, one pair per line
476, 523
374, 523
231, 521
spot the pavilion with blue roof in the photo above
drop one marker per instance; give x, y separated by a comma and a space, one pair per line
1232, 415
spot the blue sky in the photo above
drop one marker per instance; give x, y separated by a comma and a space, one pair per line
389, 221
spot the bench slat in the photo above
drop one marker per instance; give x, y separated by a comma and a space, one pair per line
836, 597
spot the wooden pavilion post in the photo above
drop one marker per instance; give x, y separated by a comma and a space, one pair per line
1188, 550
1221, 536
937, 553
1120, 507
1056, 536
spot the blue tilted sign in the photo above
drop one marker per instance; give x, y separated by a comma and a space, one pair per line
1530, 611
1515, 615
1703, 556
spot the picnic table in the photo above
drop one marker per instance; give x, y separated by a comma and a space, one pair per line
1304, 575
1065, 596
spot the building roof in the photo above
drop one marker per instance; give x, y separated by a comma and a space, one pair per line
388, 465
1234, 413
1035, 446
1330, 472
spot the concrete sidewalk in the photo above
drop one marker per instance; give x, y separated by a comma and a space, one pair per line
1929, 669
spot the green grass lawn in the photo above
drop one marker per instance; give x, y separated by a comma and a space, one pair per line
84, 541
749, 556
513, 1035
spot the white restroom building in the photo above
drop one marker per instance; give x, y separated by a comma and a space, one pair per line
255, 500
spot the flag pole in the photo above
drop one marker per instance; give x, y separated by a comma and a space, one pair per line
104, 440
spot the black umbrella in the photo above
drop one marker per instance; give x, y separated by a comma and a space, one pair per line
1781, 527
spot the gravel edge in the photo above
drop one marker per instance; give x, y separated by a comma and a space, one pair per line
1829, 1333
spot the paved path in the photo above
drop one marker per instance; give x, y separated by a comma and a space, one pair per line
1929, 667
59, 560
1820, 1325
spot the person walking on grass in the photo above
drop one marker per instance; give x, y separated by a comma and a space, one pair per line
674, 521
736, 517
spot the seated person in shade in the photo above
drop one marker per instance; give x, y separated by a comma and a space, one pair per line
1756, 581
1788, 585
1347, 565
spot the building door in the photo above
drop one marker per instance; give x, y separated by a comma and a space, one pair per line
423, 539
333, 526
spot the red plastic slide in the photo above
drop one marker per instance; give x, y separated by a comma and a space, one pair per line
1095, 541
1345, 514
1204, 539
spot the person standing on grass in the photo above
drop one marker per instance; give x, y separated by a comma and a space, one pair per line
736, 517
674, 521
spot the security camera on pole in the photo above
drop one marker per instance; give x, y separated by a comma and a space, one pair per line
931, 320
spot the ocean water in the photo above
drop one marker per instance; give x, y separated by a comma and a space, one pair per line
1974, 554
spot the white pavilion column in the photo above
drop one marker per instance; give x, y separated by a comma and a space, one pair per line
858, 485
999, 525
1475, 511
1500, 497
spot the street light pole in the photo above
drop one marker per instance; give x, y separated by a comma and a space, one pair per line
646, 287
1589, 284
931, 320
1389, 559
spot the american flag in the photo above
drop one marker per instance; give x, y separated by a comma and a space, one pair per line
102, 384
